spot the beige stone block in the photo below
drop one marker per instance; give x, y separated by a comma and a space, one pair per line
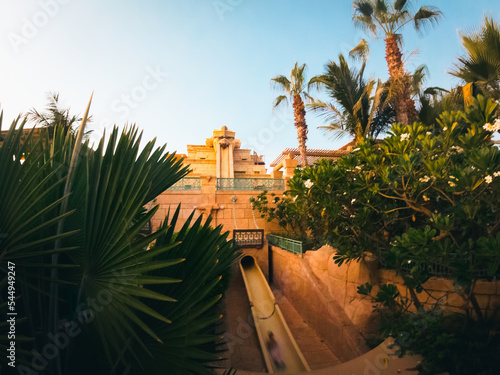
240, 213
483, 301
227, 224
248, 213
454, 300
387, 275
486, 287
227, 213
185, 212
319, 258
336, 271
433, 296
438, 283
243, 223
353, 272
337, 289
495, 301
155, 223
161, 213
168, 198
453, 310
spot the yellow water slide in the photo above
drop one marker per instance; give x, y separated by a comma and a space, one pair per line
279, 348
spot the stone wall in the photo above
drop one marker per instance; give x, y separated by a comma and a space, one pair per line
210, 201
339, 285
443, 291
311, 298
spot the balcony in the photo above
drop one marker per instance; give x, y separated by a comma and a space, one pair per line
187, 184
251, 184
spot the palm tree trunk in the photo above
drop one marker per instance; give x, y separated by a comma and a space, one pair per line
399, 80
300, 123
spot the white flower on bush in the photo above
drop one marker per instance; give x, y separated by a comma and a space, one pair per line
488, 179
496, 174
457, 149
424, 179
353, 200
453, 178
492, 127
426, 198
445, 129
428, 133
309, 184
452, 184
405, 137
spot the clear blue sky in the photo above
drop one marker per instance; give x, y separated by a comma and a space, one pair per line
182, 68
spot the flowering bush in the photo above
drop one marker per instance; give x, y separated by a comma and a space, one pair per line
287, 210
427, 195
426, 202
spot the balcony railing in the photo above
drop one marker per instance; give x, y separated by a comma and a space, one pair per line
251, 184
287, 244
253, 238
187, 183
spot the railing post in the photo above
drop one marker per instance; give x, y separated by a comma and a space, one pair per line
270, 261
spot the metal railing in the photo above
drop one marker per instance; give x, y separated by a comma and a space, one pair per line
292, 246
253, 238
251, 184
187, 183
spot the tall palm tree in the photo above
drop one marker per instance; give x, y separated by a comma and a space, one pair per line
354, 110
481, 64
295, 88
382, 17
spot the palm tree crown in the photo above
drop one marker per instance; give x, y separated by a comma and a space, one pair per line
295, 88
381, 16
54, 116
359, 113
482, 62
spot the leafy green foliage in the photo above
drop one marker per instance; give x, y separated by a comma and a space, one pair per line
425, 202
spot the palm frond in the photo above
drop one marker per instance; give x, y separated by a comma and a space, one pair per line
363, 7
280, 82
317, 82
380, 8
361, 51
399, 5
426, 16
297, 77
279, 100
482, 62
